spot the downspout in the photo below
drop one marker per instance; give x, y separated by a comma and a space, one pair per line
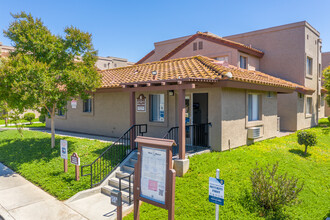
319, 73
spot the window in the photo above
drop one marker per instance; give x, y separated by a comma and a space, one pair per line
254, 107
105, 65
309, 105
200, 45
157, 108
195, 46
60, 112
309, 66
87, 106
322, 100
301, 95
242, 61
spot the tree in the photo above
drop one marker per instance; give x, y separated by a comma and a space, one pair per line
326, 74
307, 138
46, 70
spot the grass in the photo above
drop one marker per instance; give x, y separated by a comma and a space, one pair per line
33, 158
191, 193
2, 122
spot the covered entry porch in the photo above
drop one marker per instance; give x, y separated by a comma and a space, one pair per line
173, 110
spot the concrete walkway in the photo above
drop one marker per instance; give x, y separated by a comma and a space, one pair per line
20, 199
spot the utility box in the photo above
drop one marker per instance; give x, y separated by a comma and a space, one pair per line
115, 198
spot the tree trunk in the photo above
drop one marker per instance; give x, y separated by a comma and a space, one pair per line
52, 126
305, 150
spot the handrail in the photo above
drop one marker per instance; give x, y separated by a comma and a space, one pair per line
110, 159
129, 186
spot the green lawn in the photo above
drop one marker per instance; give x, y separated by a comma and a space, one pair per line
33, 158
2, 122
34, 125
191, 196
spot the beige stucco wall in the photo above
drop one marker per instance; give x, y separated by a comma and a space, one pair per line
234, 117
325, 60
286, 49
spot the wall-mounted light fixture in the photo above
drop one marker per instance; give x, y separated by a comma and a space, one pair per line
171, 92
154, 72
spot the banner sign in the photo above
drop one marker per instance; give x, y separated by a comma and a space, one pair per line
74, 103
153, 174
64, 149
216, 190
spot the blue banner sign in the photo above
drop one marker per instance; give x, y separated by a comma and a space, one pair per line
216, 190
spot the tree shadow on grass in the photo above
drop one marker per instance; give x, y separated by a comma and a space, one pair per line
246, 200
25, 150
300, 153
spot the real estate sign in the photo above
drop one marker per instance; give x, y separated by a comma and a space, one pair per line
153, 174
216, 190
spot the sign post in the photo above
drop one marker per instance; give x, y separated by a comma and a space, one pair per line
154, 178
76, 161
117, 201
64, 154
216, 192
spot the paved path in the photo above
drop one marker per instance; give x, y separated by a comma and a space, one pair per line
20, 199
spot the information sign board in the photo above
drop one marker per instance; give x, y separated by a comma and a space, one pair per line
141, 103
153, 174
74, 103
75, 159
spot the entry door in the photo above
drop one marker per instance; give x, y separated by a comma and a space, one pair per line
200, 119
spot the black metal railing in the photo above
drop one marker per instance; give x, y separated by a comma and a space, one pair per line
197, 136
109, 160
130, 184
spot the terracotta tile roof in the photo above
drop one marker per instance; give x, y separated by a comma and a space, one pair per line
196, 68
146, 57
216, 39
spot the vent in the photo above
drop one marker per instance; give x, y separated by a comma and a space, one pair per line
254, 133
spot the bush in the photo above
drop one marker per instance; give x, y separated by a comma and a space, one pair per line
272, 191
329, 119
42, 118
29, 117
307, 138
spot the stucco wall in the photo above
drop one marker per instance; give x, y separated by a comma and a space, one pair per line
234, 117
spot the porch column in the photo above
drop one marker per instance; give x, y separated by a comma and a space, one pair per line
132, 118
182, 124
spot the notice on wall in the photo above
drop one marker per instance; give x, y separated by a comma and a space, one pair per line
74, 103
141, 103
153, 174
64, 149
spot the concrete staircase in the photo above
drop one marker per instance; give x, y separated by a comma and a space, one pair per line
124, 170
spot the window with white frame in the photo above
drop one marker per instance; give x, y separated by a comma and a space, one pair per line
254, 107
87, 105
309, 66
243, 62
309, 105
157, 110
225, 58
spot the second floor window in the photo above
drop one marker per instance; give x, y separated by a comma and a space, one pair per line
87, 106
309, 66
242, 61
254, 107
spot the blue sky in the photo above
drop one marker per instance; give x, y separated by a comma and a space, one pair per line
129, 28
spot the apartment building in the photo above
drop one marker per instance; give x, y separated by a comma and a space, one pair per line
290, 52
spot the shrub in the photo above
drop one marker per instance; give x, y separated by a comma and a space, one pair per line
329, 119
272, 191
29, 117
307, 138
42, 118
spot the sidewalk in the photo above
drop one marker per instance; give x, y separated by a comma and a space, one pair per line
20, 199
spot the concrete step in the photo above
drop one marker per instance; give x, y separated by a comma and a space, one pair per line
128, 168
125, 195
133, 161
120, 174
114, 182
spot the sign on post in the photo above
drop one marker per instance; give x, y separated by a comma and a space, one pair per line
216, 191
76, 161
64, 154
154, 178
116, 200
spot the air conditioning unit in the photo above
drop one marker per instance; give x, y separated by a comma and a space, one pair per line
254, 133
